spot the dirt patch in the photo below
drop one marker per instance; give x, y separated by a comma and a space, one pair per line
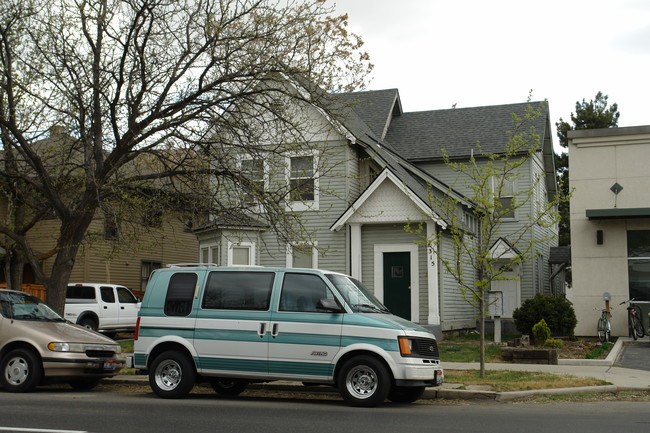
581, 347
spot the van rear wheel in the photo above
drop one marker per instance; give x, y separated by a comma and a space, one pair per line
172, 375
364, 381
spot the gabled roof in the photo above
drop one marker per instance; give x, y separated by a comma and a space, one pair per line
386, 175
422, 135
375, 108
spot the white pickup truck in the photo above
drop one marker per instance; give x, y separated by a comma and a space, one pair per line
108, 308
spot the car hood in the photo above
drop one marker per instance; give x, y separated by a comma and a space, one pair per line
388, 321
62, 332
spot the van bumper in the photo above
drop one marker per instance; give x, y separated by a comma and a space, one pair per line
421, 376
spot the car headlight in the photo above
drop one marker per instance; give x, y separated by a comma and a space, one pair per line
405, 346
67, 347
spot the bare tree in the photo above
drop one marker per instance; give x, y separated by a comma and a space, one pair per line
105, 101
486, 179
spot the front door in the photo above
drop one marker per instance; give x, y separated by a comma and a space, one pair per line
397, 283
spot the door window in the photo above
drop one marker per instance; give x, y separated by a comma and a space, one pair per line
107, 294
301, 292
125, 296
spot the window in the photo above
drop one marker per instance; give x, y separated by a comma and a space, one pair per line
107, 294
506, 194
303, 182
80, 292
302, 256
111, 232
210, 255
238, 291
302, 292
180, 294
638, 264
125, 296
253, 169
241, 254
146, 268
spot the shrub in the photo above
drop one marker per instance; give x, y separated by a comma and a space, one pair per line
553, 343
557, 311
541, 332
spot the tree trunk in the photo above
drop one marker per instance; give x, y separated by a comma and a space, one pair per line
71, 236
481, 303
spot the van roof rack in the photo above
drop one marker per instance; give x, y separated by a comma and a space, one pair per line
194, 265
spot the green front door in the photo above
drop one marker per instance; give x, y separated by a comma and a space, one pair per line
397, 283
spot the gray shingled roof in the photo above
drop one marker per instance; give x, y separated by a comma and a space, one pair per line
375, 108
422, 135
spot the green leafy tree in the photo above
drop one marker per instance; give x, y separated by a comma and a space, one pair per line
484, 179
150, 94
593, 114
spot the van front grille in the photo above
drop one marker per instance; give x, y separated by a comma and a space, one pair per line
425, 348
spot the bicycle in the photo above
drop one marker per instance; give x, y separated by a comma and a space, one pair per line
604, 327
634, 323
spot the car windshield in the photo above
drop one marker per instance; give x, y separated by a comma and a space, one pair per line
19, 306
356, 295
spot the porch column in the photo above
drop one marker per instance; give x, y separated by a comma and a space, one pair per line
355, 250
432, 277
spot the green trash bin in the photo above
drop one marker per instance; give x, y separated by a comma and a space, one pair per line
644, 307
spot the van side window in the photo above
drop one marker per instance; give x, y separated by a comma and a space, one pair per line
180, 294
238, 290
301, 292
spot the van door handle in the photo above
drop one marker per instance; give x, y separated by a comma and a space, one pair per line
262, 330
274, 330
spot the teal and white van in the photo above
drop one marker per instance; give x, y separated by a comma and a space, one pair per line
238, 325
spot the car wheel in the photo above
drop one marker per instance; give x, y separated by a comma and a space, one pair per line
405, 394
21, 370
228, 386
364, 381
84, 384
172, 375
89, 323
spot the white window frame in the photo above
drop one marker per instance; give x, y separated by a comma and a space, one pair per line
498, 194
304, 205
314, 253
251, 252
265, 174
210, 249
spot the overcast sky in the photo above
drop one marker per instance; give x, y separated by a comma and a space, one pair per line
478, 52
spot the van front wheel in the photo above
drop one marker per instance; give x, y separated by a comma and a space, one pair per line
172, 375
364, 381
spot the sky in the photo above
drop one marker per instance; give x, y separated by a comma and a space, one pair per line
468, 53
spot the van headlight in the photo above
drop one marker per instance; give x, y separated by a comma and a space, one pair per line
67, 347
405, 346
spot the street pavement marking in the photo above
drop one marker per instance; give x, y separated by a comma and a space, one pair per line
39, 430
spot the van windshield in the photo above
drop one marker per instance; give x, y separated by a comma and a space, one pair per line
356, 295
17, 306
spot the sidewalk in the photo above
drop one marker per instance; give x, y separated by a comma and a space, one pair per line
620, 377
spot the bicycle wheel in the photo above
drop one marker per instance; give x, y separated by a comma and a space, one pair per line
631, 326
608, 329
639, 331
600, 326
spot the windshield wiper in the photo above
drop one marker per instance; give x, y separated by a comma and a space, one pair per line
370, 307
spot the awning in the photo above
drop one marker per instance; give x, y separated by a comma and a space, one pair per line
618, 213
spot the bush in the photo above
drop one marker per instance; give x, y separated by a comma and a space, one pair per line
541, 332
556, 311
553, 343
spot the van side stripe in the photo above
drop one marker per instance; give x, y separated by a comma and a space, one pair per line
227, 335
277, 367
150, 331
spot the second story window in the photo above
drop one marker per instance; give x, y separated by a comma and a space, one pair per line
303, 181
253, 170
505, 190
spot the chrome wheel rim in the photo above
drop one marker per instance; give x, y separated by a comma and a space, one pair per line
17, 371
168, 375
361, 382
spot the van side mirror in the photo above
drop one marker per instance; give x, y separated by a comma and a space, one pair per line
330, 305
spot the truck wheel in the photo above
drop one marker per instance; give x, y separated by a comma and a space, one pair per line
89, 323
364, 381
405, 394
172, 375
21, 371
228, 386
